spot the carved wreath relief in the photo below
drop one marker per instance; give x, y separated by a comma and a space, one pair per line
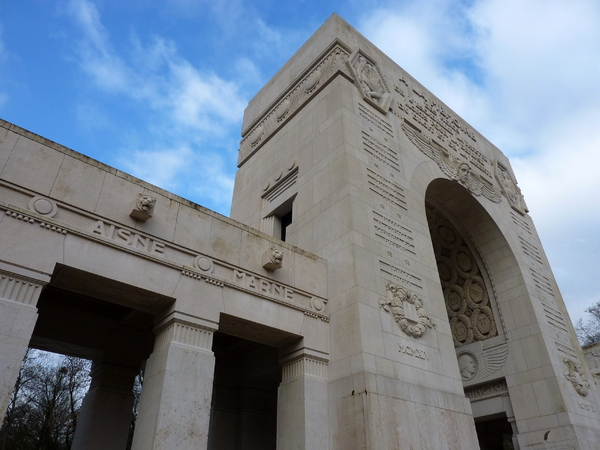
370, 81
575, 375
395, 304
465, 292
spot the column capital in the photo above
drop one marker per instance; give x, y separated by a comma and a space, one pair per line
21, 285
185, 330
302, 362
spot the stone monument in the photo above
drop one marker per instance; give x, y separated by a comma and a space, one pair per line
380, 284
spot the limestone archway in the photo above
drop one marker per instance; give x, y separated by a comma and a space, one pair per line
479, 276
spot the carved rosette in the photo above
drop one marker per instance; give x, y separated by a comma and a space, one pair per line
510, 189
395, 304
467, 300
370, 80
576, 376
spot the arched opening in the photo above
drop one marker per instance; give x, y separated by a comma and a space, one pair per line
477, 275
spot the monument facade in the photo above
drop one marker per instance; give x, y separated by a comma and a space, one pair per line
380, 284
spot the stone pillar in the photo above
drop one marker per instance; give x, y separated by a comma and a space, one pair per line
19, 295
107, 408
302, 401
176, 397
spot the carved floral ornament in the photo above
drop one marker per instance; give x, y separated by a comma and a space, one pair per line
575, 375
395, 304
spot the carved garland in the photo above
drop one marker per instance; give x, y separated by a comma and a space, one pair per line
394, 304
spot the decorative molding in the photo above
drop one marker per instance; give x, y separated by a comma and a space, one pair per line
185, 333
303, 366
19, 290
43, 206
280, 183
31, 220
199, 277
576, 376
173, 256
398, 302
329, 64
369, 80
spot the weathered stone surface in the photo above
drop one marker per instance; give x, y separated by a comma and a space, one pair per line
410, 299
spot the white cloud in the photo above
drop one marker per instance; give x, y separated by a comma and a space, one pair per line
178, 102
526, 74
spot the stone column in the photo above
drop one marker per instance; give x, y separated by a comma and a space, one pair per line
19, 295
302, 401
107, 408
176, 397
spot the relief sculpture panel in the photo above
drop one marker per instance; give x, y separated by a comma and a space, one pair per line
465, 292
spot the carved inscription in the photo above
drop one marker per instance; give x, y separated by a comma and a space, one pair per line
520, 223
127, 237
380, 151
531, 251
555, 318
542, 282
371, 117
386, 189
432, 115
393, 234
585, 406
488, 390
412, 351
400, 275
263, 286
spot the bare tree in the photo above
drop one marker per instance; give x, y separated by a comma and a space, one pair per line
588, 331
42, 414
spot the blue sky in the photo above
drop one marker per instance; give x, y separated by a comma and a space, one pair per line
158, 89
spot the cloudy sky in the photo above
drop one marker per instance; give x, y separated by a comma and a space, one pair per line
158, 88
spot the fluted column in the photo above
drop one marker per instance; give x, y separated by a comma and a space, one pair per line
302, 401
19, 295
176, 397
